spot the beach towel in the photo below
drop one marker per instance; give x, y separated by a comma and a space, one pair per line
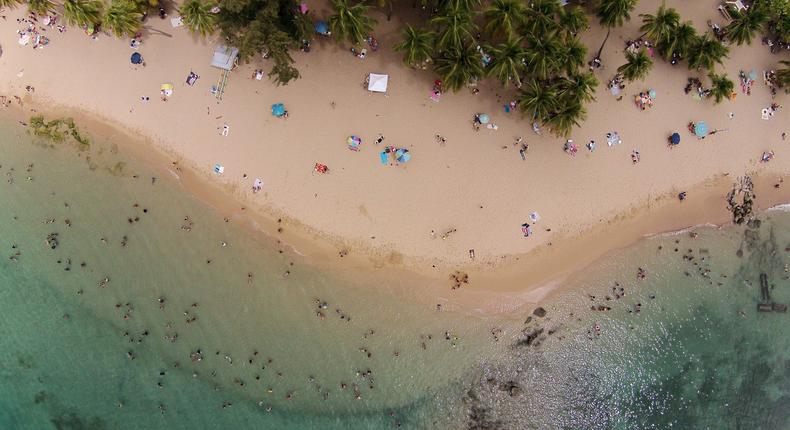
436, 96
219, 169
383, 158
766, 115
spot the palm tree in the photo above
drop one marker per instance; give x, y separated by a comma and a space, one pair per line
456, 29
10, 4
458, 67
508, 62
783, 75
542, 55
198, 17
504, 17
570, 115
40, 7
417, 46
350, 22
540, 15
613, 13
659, 27
721, 87
123, 18
679, 41
578, 86
537, 100
573, 20
82, 12
745, 23
706, 51
572, 54
637, 65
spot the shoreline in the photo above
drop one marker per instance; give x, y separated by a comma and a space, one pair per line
518, 283
382, 215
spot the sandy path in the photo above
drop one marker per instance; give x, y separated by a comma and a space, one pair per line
388, 212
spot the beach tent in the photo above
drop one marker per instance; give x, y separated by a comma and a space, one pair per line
278, 109
701, 129
674, 139
322, 28
377, 83
136, 58
224, 57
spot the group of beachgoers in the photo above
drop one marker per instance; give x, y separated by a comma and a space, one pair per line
32, 31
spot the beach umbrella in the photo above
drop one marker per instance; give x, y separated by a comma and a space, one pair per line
278, 109
167, 87
483, 118
674, 139
652, 93
701, 129
321, 27
136, 58
753, 75
402, 155
354, 140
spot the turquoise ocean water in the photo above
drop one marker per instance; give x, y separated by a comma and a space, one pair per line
141, 318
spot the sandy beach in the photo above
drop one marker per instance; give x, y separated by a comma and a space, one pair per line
476, 186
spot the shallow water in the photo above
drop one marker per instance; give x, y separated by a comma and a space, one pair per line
75, 348
697, 354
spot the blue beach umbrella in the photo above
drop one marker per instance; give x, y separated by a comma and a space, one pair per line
674, 139
402, 155
701, 129
652, 93
753, 75
321, 27
136, 58
483, 118
278, 109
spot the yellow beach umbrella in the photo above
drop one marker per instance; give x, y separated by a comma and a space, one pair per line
167, 86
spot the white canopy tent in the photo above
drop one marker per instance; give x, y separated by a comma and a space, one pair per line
378, 83
224, 57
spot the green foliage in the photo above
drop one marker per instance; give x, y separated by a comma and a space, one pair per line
350, 22
572, 54
57, 130
537, 100
542, 56
455, 29
82, 12
40, 7
578, 87
705, 52
417, 46
659, 27
197, 16
779, 17
637, 65
570, 114
123, 18
745, 23
504, 17
270, 26
540, 17
508, 63
614, 13
573, 19
721, 87
679, 42
459, 67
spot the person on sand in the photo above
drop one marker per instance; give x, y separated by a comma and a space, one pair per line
526, 229
225, 129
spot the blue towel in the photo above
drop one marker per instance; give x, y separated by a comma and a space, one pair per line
383, 157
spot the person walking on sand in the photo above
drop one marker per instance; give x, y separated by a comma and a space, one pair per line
225, 129
526, 229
